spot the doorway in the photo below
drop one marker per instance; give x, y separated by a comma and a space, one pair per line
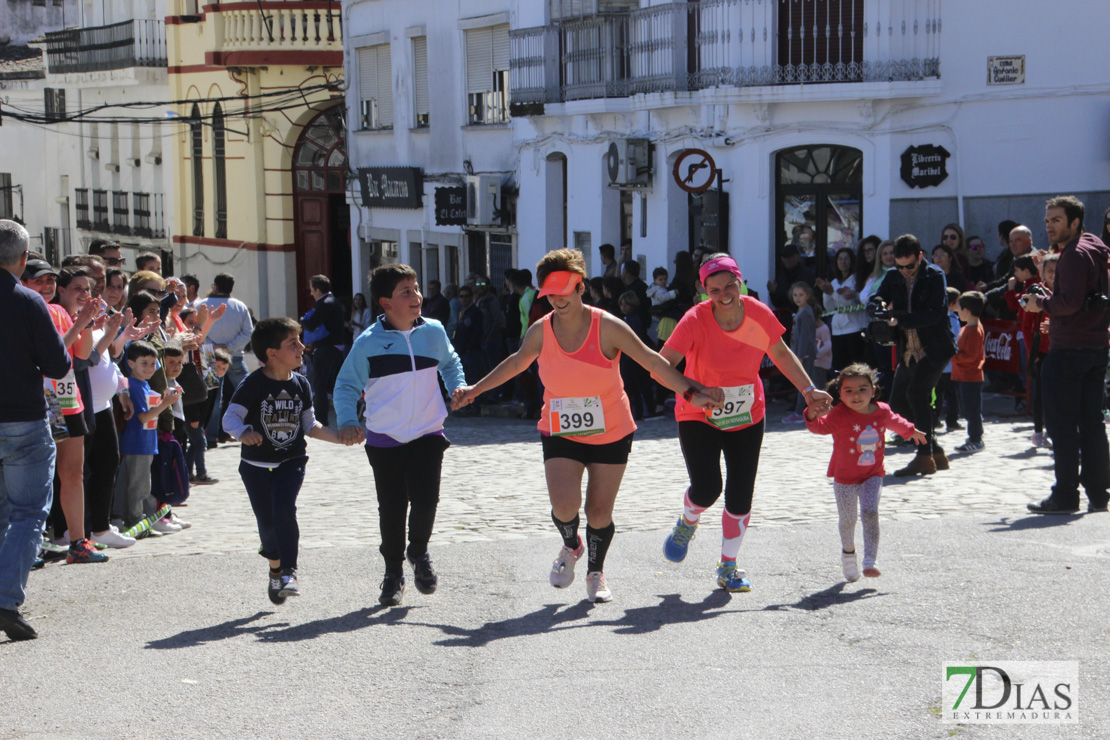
321, 216
819, 201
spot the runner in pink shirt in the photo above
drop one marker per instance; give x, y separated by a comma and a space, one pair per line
724, 341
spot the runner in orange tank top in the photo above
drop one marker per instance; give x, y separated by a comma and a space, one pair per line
586, 424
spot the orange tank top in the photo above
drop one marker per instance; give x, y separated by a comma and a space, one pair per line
577, 383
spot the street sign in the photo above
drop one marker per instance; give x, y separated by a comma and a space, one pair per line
694, 171
451, 206
923, 166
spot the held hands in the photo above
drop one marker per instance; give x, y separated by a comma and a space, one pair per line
463, 396
708, 398
352, 435
251, 438
918, 436
818, 402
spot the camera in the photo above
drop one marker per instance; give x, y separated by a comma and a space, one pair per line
879, 329
1096, 301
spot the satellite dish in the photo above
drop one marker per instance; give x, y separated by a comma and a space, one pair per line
613, 162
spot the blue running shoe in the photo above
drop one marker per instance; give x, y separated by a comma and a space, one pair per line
731, 578
678, 541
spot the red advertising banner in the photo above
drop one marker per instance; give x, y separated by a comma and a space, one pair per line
1002, 346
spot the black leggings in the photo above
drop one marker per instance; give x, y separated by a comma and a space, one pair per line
101, 466
407, 481
702, 445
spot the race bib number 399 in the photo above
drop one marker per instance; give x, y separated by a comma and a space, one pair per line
737, 408
576, 417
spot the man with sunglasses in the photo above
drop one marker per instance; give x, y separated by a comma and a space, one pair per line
108, 251
915, 295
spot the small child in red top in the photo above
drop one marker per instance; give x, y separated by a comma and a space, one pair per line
967, 368
857, 424
1038, 348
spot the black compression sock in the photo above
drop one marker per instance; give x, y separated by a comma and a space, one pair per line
567, 530
597, 543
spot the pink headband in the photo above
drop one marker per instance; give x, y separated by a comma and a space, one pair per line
721, 264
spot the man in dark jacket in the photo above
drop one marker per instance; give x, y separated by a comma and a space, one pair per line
1073, 373
915, 293
327, 352
790, 270
33, 349
630, 276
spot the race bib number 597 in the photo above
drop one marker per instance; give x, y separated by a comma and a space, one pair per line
736, 411
576, 417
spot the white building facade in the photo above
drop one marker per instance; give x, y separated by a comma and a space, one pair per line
85, 166
807, 109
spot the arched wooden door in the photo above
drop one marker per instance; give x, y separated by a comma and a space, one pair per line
321, 218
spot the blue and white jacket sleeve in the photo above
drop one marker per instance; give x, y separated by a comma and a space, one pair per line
450, 366
351, 382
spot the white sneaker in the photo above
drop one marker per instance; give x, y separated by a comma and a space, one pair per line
850, 566
596, 588
112, 538
178, 521
62, 541
165, 526
562, 570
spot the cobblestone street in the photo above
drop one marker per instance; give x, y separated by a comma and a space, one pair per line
493, 487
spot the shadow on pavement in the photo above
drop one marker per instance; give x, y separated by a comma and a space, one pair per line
351, 622
671, 610
1034, 521
229, 629
832, 596
534, 623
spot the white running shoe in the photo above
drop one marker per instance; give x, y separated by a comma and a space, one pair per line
596, 588
165, 526
562, 570
850, 566
178, 521
112, 538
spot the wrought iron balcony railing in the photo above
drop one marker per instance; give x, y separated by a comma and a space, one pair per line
725, 43
134, 43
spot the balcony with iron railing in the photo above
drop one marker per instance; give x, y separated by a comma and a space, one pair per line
246, 34
706, 44
131, 214
134, 43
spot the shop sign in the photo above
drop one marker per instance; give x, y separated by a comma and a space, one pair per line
451, 206
1006, 70
392, 187
924, 166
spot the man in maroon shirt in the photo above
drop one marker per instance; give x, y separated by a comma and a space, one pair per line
1074, 371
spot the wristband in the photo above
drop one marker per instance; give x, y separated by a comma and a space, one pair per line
688, 394
811, 387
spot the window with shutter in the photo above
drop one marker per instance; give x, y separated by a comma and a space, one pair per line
375, 87
420, 72
487, 74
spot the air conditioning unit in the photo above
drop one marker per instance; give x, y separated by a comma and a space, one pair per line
483, 197
629, 162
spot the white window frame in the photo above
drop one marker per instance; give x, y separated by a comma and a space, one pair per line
375, 86
487, 74
421, 98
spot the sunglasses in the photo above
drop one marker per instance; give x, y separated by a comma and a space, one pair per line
909, 268
115, 261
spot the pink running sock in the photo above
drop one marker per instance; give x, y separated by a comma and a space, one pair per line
733, 528
691, 512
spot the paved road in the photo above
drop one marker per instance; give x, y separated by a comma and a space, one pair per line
153, 645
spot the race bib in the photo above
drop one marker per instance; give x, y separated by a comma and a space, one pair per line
576, 417
737, 408
58, 428
64, 390
152, 400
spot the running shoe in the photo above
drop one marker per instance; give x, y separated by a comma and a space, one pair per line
112, 538
596, 588
678, 542
970, 447
175, 519
289, 584
273, 589
731, 578
165, 526
393, 589
850, 566
870, 571
82, 551
423, 574
793, 419
562, 570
